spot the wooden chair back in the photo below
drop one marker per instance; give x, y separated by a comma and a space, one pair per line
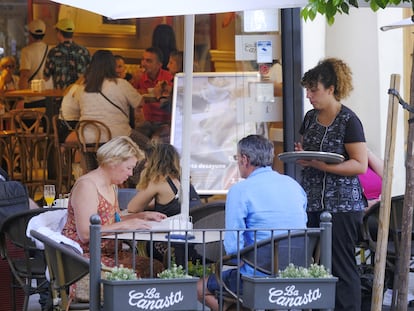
99, 133
92, 128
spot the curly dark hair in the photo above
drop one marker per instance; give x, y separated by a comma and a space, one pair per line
330, 72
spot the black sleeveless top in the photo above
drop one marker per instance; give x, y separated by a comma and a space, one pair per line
173, 207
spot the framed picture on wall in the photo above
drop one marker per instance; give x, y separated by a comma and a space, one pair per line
88, 22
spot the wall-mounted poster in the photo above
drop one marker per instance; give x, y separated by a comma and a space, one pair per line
224, 110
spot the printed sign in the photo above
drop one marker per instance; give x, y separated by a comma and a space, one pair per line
223, 112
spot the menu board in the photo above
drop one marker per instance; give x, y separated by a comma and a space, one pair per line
224, 109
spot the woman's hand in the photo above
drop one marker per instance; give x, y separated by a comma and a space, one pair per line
154, 216
137, 223
320, 165
298, 146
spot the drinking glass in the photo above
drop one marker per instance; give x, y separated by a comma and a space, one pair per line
49, 194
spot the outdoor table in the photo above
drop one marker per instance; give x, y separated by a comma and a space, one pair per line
50, 95
198, 236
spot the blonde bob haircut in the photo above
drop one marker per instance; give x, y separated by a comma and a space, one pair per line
118, 150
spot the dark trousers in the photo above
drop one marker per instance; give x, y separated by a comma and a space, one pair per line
345, 227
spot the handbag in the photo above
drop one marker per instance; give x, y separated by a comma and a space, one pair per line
130, 116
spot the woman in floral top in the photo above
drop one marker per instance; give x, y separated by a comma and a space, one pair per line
95, 193
333, 127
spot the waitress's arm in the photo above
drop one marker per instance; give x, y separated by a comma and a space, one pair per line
355, 165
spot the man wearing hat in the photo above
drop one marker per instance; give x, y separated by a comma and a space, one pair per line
67, 60
32, 60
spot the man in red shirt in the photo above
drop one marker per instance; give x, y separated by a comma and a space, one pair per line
153, 75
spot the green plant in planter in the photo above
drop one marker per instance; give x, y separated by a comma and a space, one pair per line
175, 272
314, 271
197, 269
121, 274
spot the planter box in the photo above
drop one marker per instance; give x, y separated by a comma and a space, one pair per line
275, 293
150, 294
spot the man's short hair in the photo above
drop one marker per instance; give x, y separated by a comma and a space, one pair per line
258, 149
157, 52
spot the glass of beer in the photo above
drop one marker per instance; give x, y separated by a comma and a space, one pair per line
49, 194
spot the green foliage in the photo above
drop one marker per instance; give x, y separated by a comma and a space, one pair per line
175, 272
330, 8
314, 271
120, 274
197, 269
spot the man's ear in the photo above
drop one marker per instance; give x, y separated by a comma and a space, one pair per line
245, 160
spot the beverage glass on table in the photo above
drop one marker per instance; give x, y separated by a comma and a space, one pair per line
49, 194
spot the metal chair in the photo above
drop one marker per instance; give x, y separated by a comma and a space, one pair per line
27, 264
91, 135
66, 266
124, 196
268, 256
209, 216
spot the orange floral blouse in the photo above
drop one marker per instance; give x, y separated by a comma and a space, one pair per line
106, 211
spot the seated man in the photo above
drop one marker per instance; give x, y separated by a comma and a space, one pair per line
265, 199
155, 117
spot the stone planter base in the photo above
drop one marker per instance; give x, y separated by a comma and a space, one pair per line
278, 293
150, 294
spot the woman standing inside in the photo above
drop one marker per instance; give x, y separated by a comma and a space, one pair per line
163, 37
335, 188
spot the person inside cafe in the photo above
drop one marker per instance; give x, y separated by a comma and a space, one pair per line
32, 61
107, 98
69, 113
162, 91
157, 120
96, 193
67, 61
163, 37
121, 68
264, 199
9, 81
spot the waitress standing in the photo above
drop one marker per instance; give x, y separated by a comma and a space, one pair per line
335, 188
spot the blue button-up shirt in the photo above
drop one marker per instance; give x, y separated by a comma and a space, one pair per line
265, 199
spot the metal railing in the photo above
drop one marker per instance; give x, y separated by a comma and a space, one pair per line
202, 237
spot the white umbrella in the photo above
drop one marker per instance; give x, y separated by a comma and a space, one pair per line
133, 9
136, 9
